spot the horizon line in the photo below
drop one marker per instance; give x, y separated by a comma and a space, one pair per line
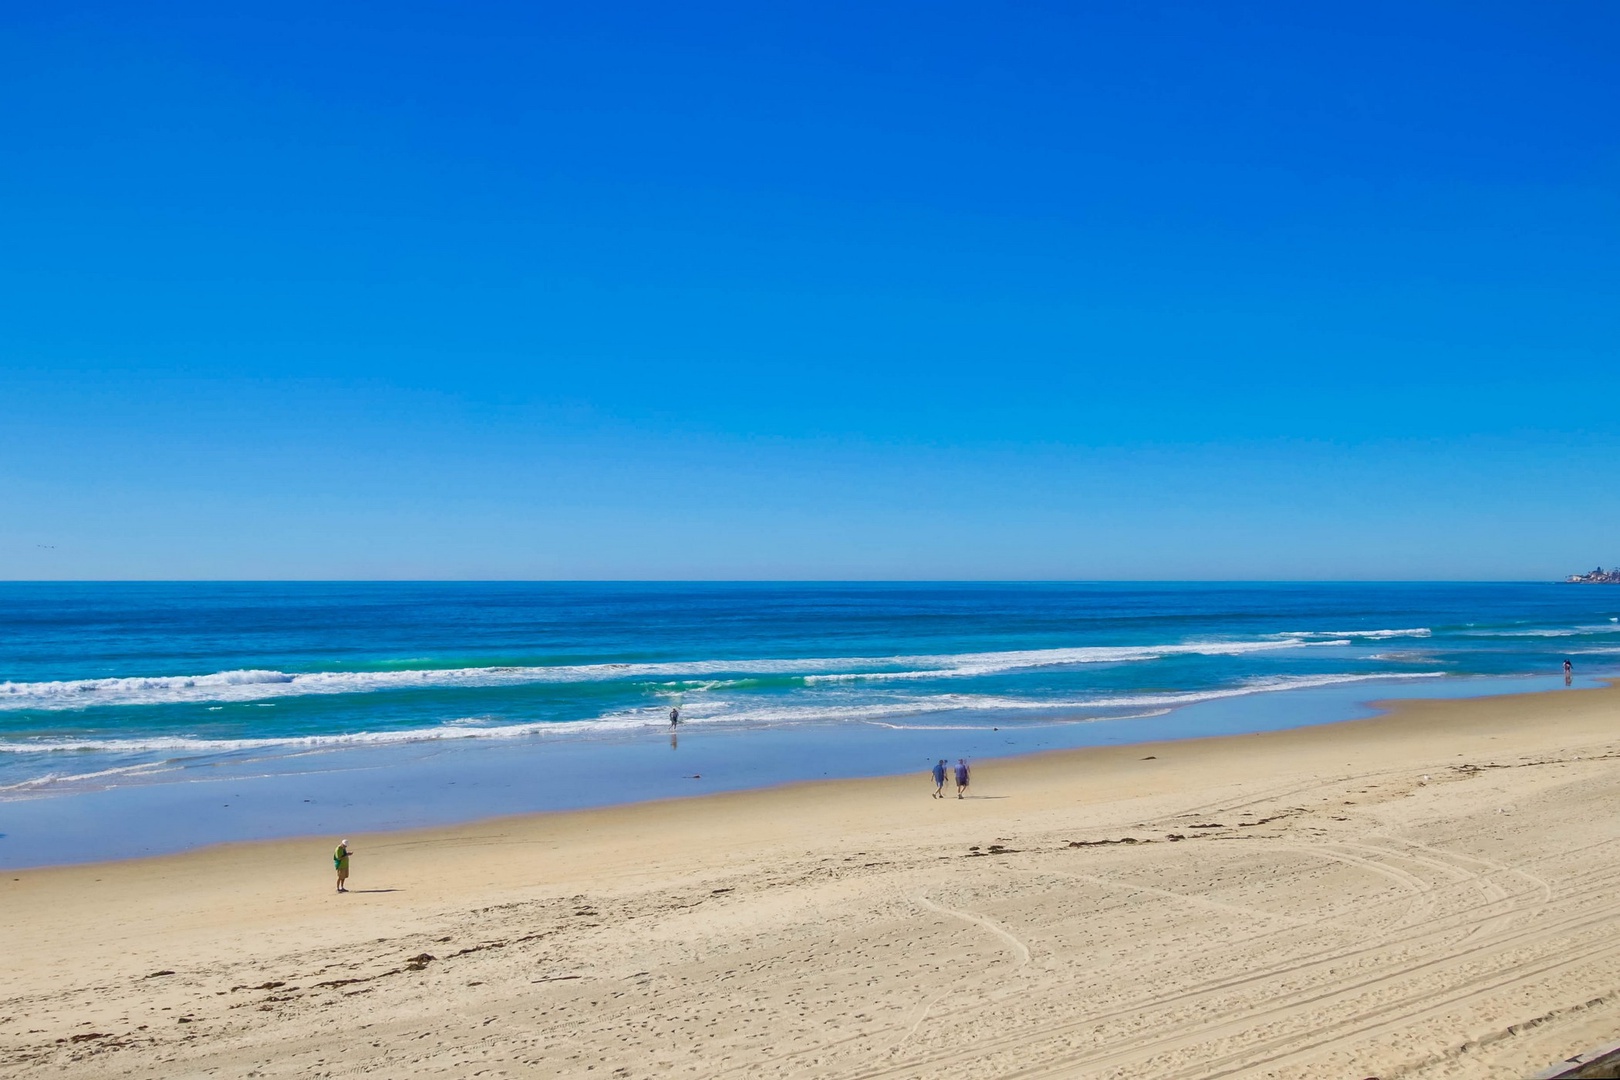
779, 581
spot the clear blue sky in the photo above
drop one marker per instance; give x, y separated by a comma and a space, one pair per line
1157, 290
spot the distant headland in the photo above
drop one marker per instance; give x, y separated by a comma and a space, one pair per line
1599, 576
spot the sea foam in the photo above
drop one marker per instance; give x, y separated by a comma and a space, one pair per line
708, 713
253, 685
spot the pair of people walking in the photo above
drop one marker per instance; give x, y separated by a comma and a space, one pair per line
963, 775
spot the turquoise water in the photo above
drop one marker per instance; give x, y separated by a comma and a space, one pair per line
115, 697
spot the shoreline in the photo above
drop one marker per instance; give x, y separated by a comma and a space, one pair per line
1433, 872
1390, 718
434, 784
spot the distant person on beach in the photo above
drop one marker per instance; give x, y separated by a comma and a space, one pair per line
340, 859
674, 717
961, 776
939, 779
1569, 669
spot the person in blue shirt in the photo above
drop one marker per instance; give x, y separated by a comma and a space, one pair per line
939, 779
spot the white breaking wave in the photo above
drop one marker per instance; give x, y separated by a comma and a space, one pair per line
971, 664
52, 779
234, 687
1266, 685
985, 725
1572, 631
1373, 635
708, 713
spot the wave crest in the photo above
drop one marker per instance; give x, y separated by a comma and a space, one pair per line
711, 713
233, 687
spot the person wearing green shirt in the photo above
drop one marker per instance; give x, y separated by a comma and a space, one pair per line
340, 859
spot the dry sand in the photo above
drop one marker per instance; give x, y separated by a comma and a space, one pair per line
1431, 893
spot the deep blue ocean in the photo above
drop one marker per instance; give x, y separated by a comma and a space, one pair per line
137, 685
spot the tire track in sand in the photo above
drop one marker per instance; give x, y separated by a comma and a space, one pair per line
1574, 921
1409, 1006
1019, 949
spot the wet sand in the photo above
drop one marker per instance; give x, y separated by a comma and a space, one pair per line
1428, 893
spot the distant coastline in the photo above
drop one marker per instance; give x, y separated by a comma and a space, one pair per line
1599, 576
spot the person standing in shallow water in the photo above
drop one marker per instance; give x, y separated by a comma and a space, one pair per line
674, 718
340, 859
939, 779
961, 777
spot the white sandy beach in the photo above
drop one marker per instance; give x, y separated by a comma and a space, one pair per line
1431, 893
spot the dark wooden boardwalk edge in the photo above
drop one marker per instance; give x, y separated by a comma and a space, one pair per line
1602, 1063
